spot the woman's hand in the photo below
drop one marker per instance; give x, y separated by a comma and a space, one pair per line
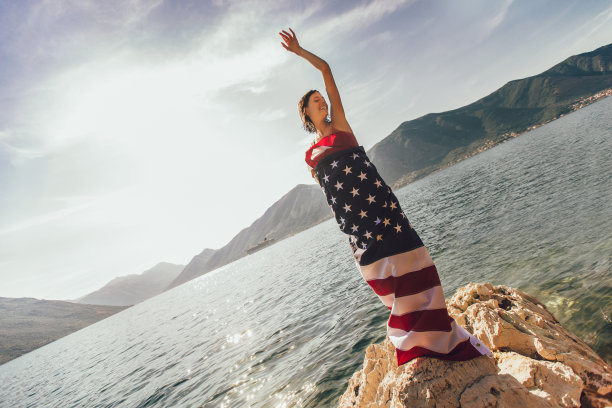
337, 112
291, 42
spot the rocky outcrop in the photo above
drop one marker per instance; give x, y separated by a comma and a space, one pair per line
535, 363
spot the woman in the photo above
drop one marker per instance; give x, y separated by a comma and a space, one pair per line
387, 250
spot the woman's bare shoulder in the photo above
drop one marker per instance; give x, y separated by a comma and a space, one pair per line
344, 126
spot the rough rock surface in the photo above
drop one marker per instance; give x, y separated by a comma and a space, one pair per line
536, 362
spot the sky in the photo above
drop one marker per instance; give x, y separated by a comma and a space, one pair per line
134, 132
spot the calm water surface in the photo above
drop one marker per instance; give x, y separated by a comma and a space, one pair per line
288, 326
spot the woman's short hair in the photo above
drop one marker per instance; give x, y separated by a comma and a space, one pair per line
306, 121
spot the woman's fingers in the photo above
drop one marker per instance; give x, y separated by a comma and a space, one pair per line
289, 35
291, 42
287, 39
286, 44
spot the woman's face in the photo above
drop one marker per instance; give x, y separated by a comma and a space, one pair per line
317, 107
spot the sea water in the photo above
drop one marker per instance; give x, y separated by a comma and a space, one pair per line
288, 325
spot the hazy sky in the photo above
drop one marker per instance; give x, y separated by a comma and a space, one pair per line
134, 132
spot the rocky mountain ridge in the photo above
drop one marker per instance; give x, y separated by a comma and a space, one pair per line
301, 208
415, 149
421, 146
130, 289
437, 140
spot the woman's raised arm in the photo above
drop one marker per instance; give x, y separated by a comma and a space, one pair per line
336, 109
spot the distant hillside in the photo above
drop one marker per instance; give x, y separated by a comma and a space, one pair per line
420, 146
28, 323
299, 209
131, 289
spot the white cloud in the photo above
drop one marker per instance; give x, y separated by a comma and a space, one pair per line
141, 141
17, 155
269, 114
116, 98
43, 219
114, 12
377, 39
363, 15
493, 22
587, 30
49, 31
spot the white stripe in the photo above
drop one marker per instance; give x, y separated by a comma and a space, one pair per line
397, 265
438, 341
430, 299
387, 299
318, 150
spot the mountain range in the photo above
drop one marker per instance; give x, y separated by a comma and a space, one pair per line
130, 289
301, 208
421, 146
27, 323
437, 140
413, 150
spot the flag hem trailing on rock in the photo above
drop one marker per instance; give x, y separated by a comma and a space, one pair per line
391, 257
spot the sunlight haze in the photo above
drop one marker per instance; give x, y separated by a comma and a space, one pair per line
138, 132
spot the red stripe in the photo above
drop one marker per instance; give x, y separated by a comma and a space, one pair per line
407, 284
416, 282
382, 287
422, 320
340, 140
462, 351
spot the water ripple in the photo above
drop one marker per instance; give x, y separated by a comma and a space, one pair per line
288, 325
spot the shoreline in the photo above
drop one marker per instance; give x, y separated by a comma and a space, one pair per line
485, 145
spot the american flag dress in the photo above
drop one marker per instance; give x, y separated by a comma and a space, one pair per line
389, 253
